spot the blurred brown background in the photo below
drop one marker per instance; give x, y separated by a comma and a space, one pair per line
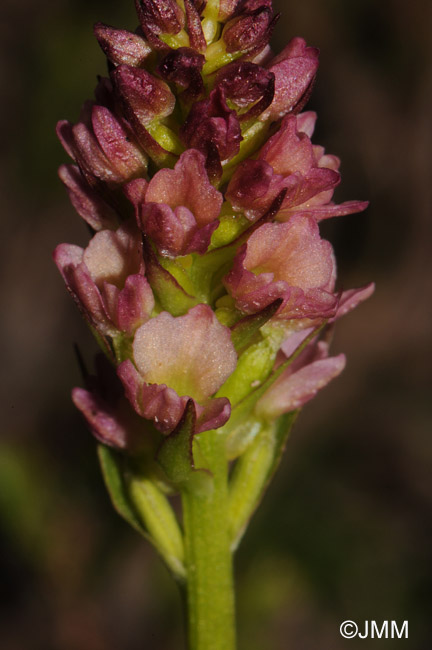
345, 530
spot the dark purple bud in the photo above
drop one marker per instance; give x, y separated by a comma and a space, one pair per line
246, 83
244, 7
116, 141
196, 35
121, 46
146, 96
211, 126
250, 31
183, 67
159, 17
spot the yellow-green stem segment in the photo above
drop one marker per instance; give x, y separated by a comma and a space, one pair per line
208, 557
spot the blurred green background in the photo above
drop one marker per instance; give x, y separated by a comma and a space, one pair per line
345, 530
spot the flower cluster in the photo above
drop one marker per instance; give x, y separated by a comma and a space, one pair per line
206, 280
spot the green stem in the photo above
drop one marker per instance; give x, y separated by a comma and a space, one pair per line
208, 559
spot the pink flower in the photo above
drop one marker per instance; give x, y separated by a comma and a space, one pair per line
288, 261
181, 208
107, 280
289, 161
176, 359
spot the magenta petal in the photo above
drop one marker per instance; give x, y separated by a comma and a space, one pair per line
64, 134
327, 210
121, 46
132, 383
213, 415
183, 67
81, 285
351, 298
102, 420
291, 391
288, 261
249, 32
146, 96
159, 17
162, 405
187, 185
90, 156
289, 150
294, 69
156, 402
162, 225
134, 304
117, 144
86, 201
245, 83
196, 34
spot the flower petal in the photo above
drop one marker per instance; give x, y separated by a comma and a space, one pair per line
291, 391
193, 354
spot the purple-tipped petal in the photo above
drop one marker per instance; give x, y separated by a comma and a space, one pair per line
294, 70
181, 207
155, 402
86, 201
292, 391
117, 144
213, 415
121, 46
193, 20
143, 94
353, 297
135, 304
81, 286
249, 31
102, 419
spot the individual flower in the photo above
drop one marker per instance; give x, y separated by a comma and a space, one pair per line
289, 161
179, 208
103, 146
175, 359
250, 27
288, 261
159, 17
107, 280
214, 129
108, 413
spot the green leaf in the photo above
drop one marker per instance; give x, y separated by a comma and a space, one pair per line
138, 499
253, 473
243, 331
177, 455
112, 470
